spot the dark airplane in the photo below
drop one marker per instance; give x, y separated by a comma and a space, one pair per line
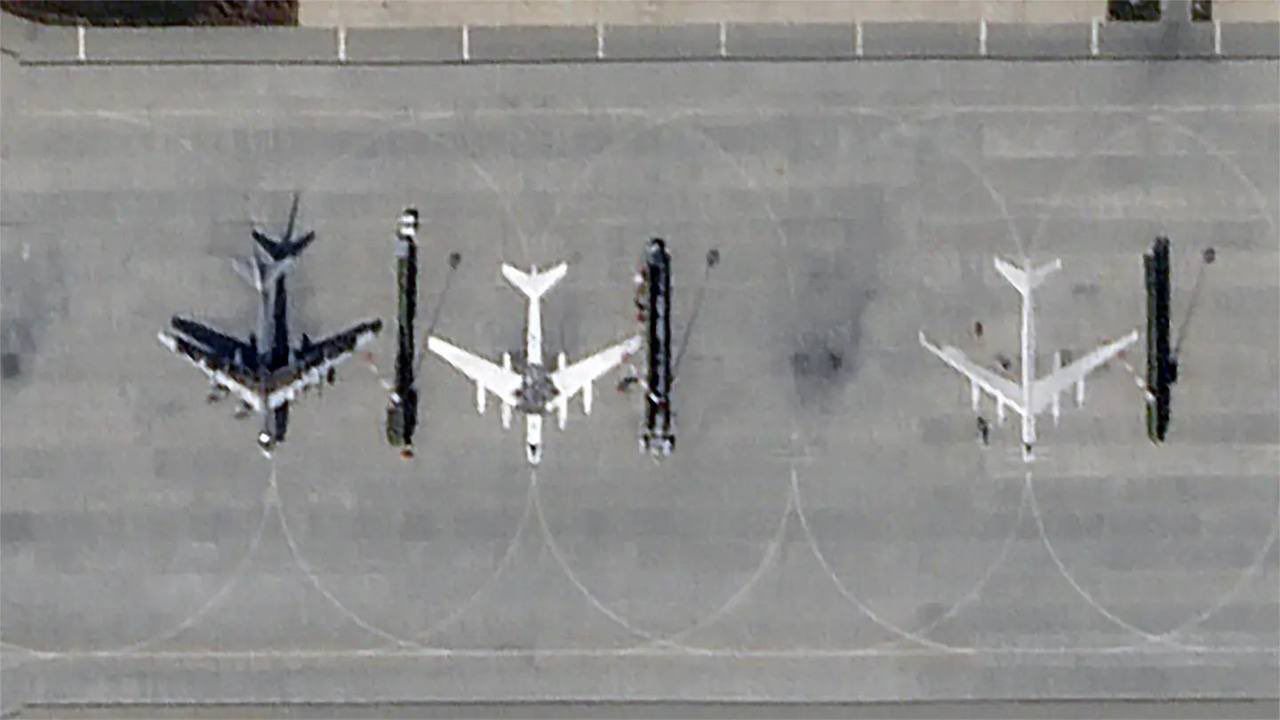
402, 398
654, 299
265, 373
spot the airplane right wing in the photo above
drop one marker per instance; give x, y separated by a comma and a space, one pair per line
220, 369
1002, 388
578, 377
486, 375
1046, 388
314, 361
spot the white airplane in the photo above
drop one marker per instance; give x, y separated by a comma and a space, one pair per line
1033, 395
535, 392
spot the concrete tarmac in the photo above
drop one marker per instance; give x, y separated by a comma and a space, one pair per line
829, 528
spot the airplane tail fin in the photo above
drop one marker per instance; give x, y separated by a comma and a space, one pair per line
1026, 280
534, 284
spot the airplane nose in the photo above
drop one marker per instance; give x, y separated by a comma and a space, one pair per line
535, 454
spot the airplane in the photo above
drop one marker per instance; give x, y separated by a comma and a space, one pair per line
654, 285
1032, 395
534, 391
402, 396
265, 373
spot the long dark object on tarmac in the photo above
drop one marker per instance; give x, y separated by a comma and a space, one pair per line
659, 435
1161, 372
402, 410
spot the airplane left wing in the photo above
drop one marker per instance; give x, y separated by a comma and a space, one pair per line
219, 368
1002, 388
1050, 386
578, 376
486, 375
314, 361
213, 340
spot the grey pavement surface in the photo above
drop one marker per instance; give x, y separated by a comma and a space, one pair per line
828, 530
578, 43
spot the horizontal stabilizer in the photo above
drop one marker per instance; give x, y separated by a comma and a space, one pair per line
1026, 281
534, 284
282, 248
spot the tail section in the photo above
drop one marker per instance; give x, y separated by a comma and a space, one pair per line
1026, 280
284, 246
274, 256
534, 284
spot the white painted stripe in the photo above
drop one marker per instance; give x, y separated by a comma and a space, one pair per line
599, 41
80, 53
1093, 36
1217, 36
342, 44
723, 37
857, 38
466, 43
140, 117
644, 651
982, 37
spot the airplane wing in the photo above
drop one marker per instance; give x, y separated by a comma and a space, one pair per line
572, 379
312, 362
494, 378
213, 340
1002, 388
1046, 388
219, 368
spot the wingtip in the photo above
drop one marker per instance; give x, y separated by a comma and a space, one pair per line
167, 340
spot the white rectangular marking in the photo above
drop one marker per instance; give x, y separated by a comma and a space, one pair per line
1093, 35
599, 41
723, 38
982, 37
342, 44
857, 38
1217, 36
466, 43
80, 53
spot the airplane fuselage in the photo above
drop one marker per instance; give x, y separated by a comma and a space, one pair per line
1028, 373
537, 390
273, 355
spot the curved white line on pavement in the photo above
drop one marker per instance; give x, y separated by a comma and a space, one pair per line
1260, 202
305, 568
767, 562
1079, 590
228, 584
853, 598
1243, 581
976, 591
484, 587
586, 593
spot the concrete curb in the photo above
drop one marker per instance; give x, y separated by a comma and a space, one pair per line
35, 44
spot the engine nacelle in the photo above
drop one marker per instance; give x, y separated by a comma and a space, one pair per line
586, 398
1080, 393
480, 398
